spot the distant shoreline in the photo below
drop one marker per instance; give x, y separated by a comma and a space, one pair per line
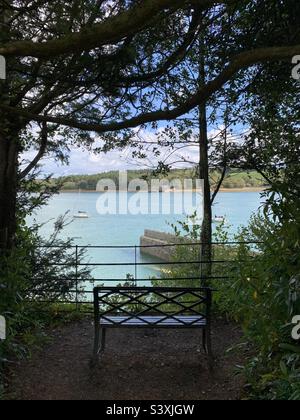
246, 189
224, 190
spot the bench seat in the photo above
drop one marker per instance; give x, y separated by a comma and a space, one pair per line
158, 321
151, 307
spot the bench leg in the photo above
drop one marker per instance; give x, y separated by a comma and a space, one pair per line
99, 344
207, 346
103, 340
204, 340
209, 349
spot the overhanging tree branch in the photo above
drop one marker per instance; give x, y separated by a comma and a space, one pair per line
40, 154
241, 61
174, 57
112, 30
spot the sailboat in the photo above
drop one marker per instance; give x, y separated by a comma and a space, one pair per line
219, 219
81, 215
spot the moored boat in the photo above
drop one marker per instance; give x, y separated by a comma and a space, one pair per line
81, 215
219, 219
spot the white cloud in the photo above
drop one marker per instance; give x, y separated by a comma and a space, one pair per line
86, 162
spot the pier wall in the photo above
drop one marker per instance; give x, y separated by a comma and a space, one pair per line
152, 237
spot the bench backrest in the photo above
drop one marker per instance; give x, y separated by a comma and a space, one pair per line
167, 302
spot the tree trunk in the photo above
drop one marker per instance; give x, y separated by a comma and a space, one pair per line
8, 191
206, 230
8, 151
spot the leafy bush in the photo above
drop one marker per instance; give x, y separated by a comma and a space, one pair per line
186, 232
262, 294
29, 274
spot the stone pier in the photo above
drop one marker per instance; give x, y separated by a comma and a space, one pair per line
152, 237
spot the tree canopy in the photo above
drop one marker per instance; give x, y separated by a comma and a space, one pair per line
129, 49
80, 71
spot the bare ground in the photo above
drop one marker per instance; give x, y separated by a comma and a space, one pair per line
137, 365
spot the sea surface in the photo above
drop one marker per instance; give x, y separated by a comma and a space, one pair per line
123, 230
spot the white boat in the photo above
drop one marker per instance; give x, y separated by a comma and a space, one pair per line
81, 215
219, 219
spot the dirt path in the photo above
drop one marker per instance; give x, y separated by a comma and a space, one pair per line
138, 364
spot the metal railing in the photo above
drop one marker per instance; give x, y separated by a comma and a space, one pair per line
81, 294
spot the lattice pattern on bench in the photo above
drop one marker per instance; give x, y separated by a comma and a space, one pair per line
152, 307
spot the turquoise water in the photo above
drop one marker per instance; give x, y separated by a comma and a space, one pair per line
119, 230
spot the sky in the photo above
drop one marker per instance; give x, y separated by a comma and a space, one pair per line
85, 162
82, 162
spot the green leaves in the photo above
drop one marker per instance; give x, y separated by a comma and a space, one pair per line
290, 348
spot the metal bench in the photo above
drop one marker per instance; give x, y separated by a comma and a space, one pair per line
151, 307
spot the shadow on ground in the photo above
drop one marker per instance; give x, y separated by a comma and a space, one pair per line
138, 364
